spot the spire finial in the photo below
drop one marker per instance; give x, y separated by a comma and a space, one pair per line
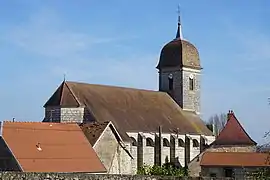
179, 29
179, 17
64, 77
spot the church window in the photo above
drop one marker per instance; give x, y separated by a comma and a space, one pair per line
195, 143
150, 142
170, 77
166, 142
134, 142
181, 143
191, 84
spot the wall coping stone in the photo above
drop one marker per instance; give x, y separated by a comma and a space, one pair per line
89, 176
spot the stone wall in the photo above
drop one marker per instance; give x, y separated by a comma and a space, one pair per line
115, 159
187, 99
61, 114
72, 114
191, 98
177, 83
238, 173
64, 114
194, 166
232, 149
174, 149
85, 176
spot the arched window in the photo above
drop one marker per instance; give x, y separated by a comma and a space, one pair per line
170, 78
181, 143
150, 142
195, 143
133, 141
166, 142
191, 83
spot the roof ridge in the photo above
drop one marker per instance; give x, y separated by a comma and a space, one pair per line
113, 86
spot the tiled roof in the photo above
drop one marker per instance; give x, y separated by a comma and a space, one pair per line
93, 130
130, 110
50, 147
235, 159
233, 133
179, 53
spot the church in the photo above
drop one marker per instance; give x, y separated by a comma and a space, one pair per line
155, 126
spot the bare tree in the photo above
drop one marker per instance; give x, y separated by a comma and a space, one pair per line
264, 173
217, 122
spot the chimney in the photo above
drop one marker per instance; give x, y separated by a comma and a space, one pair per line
230, 113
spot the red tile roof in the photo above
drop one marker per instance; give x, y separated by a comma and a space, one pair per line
63, 147
235, 159
233, 133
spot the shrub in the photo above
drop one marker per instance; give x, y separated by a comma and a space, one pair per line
166, 169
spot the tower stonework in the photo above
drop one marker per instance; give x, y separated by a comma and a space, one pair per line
180, 71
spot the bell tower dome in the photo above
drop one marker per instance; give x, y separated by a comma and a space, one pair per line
180, 70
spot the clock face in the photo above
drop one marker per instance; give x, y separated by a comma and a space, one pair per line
191, 76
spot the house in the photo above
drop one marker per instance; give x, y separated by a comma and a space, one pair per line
46, 147
163, 124
226, 154
114, 154
232, 164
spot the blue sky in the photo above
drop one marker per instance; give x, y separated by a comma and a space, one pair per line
118, 43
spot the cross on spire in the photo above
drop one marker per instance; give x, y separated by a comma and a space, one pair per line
179, 29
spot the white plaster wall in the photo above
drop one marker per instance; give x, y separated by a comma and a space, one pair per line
194, 151
165, 151
148, 152
133, 152
180, 151
113, 156
210, 139
125, 161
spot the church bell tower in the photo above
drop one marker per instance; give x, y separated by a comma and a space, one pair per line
179, 72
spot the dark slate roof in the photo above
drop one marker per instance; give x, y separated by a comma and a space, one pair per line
130, 110
233, 133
